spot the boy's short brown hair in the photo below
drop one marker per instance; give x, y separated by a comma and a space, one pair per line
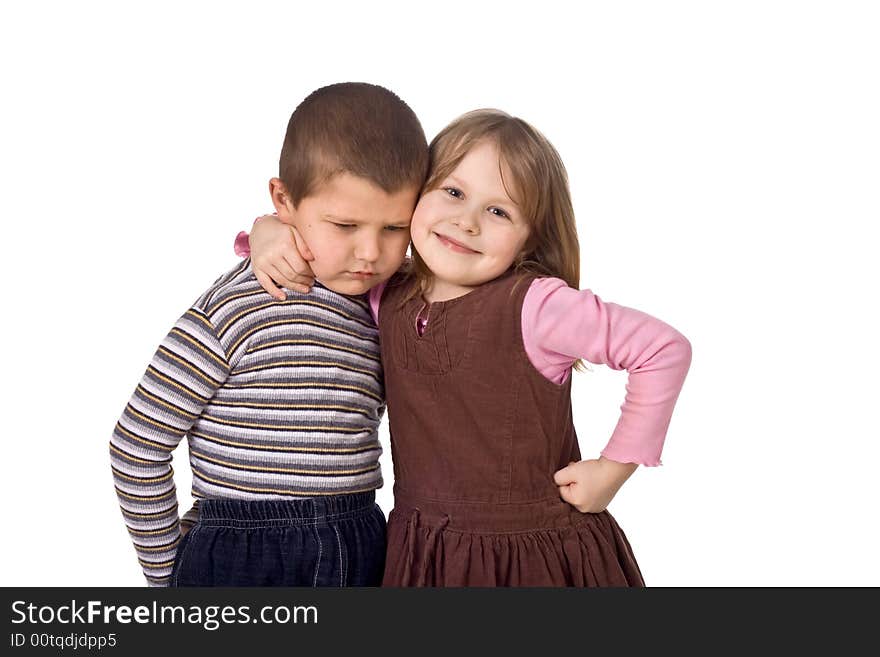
354, 127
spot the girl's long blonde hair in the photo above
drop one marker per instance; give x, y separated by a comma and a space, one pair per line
538, 185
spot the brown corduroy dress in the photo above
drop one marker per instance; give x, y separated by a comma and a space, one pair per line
477, 433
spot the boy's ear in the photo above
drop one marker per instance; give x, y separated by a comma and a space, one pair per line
281, 200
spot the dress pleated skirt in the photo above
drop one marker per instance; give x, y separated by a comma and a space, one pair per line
544, 543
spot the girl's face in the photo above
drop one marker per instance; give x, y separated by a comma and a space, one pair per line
468, 231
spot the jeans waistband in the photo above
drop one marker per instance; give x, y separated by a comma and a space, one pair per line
285, 512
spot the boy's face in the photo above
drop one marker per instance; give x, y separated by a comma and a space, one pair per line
357, 232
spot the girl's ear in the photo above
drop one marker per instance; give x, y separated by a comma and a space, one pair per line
281, 200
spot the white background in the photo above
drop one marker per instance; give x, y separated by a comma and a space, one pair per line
724, 160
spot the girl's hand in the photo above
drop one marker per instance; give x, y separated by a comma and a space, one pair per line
280, 257
591, 484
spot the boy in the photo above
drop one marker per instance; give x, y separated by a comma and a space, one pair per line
281, 400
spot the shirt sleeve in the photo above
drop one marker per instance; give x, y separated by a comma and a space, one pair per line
185, 372
561, 324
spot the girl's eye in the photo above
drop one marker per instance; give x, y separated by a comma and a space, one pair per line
454, 192
395, 229
344, 226
498, 212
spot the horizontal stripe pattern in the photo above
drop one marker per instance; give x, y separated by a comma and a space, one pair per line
277, 400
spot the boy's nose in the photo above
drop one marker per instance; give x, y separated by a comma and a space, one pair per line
367, 250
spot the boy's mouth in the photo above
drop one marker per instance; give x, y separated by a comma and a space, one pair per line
361, 275
454, 245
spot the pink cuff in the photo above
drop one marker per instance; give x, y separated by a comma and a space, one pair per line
242, 246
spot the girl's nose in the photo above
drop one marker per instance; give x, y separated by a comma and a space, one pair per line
468, 223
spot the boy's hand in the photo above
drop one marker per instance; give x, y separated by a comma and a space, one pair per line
591, 484
279, 257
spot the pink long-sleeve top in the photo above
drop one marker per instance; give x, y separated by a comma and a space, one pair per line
561, 324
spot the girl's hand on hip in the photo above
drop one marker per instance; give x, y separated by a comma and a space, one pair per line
591, 484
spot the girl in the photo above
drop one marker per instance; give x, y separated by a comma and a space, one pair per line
479, 338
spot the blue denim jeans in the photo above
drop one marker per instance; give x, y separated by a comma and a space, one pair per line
331, 541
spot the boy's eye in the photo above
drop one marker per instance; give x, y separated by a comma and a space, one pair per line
454, 192
343, 226
498, 212
395, 229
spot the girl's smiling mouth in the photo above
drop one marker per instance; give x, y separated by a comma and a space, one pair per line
453, 245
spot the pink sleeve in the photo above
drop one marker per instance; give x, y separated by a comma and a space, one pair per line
561, 324
375, 299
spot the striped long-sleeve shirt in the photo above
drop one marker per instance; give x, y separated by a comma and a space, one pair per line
278, 399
